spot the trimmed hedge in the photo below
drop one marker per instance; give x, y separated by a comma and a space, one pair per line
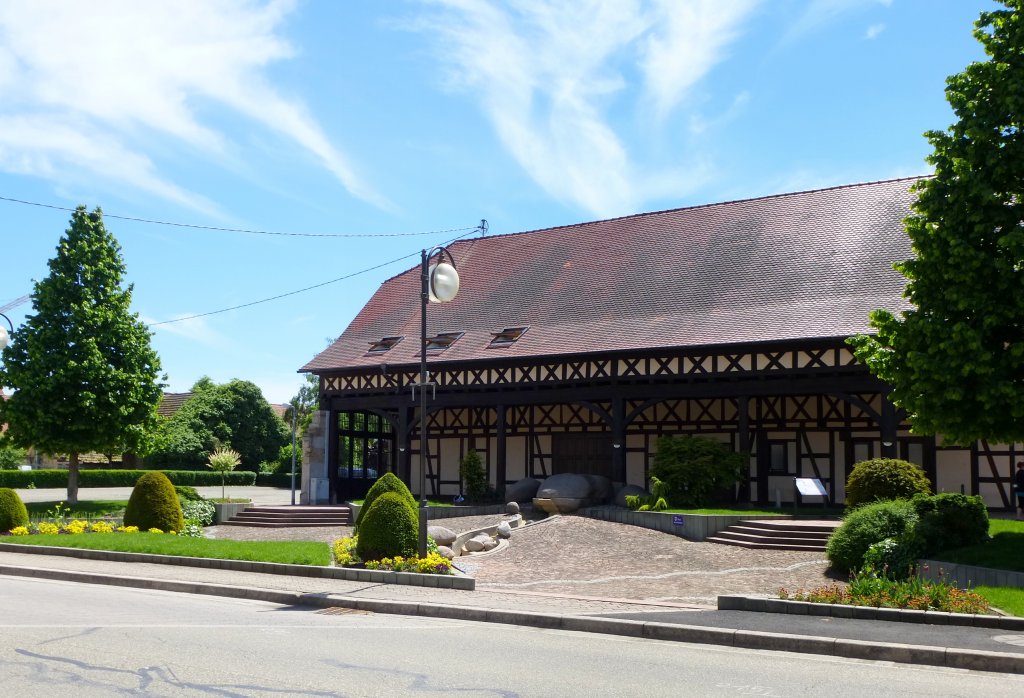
154, 504
42, 479
282, 480
12, 510
388, 482
950, 520
882, 479
389, 528
867, 525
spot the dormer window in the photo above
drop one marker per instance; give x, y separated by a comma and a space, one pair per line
443, 340
507, 337
383, 344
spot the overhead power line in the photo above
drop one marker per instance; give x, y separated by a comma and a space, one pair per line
246, 230
482, 227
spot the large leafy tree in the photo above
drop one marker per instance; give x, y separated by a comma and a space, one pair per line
84, 375
956, 359
231, 415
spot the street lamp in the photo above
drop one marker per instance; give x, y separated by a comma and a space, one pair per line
5, 336
438, 284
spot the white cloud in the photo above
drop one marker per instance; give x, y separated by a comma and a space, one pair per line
117, 73
197, 330
874, 30
686, 43
545, 73
820, 13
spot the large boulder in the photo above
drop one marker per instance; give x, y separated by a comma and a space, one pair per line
441, 535
566, 492
627, 490
446, 552
565, 486
522, 491
504, 530
600, 488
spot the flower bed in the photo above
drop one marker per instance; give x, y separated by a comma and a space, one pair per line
345, 556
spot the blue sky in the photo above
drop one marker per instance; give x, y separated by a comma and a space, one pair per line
318, 116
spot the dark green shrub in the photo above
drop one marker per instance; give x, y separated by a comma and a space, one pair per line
389, 528
11, 457
692, 468
388, 482
187, 494
58, 478
892, 558
867, 525
154, 504
473, 476
655, 501
880, 479
950, 520
12, 510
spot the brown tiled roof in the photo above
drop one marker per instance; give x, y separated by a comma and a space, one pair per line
171, 403
804, 265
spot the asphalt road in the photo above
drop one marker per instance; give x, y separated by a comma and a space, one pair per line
65, 639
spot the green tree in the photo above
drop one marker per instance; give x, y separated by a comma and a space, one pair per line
955, 360
223, 460
305, 403
84, 375
233, 414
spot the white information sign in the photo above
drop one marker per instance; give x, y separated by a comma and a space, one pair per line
810, 487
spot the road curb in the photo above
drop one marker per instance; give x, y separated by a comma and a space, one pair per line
440, 581
761, 604
977, 660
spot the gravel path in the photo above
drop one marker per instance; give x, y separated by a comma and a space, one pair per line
576, 556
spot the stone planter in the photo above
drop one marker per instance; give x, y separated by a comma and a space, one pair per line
224, 511
695, 527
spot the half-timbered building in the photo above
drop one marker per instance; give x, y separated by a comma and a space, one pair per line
572, 349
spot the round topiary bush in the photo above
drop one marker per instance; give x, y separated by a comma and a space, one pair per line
867, 525
154, 504
12, 510
388, 482
389, 528
880, 479
950, 520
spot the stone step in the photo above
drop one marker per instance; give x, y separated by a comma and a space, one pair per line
292, 517
781, 532
809, 535
745, 537
766, 546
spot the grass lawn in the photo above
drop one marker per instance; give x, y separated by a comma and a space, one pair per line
1004, 598
1004, 552
82, 510
287, 552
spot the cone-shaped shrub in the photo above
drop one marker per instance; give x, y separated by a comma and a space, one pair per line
12, 510
154, 504
388, 482
389, 528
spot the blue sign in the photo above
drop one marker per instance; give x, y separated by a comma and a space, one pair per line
677, 519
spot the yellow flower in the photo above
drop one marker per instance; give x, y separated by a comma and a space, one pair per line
19, 531
154, 530
128, 529
101, 527
49, 529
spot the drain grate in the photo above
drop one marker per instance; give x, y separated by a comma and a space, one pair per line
341, 611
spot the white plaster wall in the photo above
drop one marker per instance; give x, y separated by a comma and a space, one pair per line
952, 469
515, 458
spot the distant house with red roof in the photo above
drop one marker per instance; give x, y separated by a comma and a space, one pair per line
572, 349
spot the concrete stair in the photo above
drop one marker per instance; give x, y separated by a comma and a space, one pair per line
292, 517
811, 536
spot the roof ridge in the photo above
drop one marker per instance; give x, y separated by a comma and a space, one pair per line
696, 207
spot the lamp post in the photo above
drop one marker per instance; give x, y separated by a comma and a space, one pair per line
438, 284
5, 336
295, 409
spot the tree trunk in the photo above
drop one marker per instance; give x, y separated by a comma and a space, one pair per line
73, 479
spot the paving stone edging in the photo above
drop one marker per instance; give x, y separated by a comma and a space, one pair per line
966, 576
760, 604
696, 527
436, 581
978, 660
